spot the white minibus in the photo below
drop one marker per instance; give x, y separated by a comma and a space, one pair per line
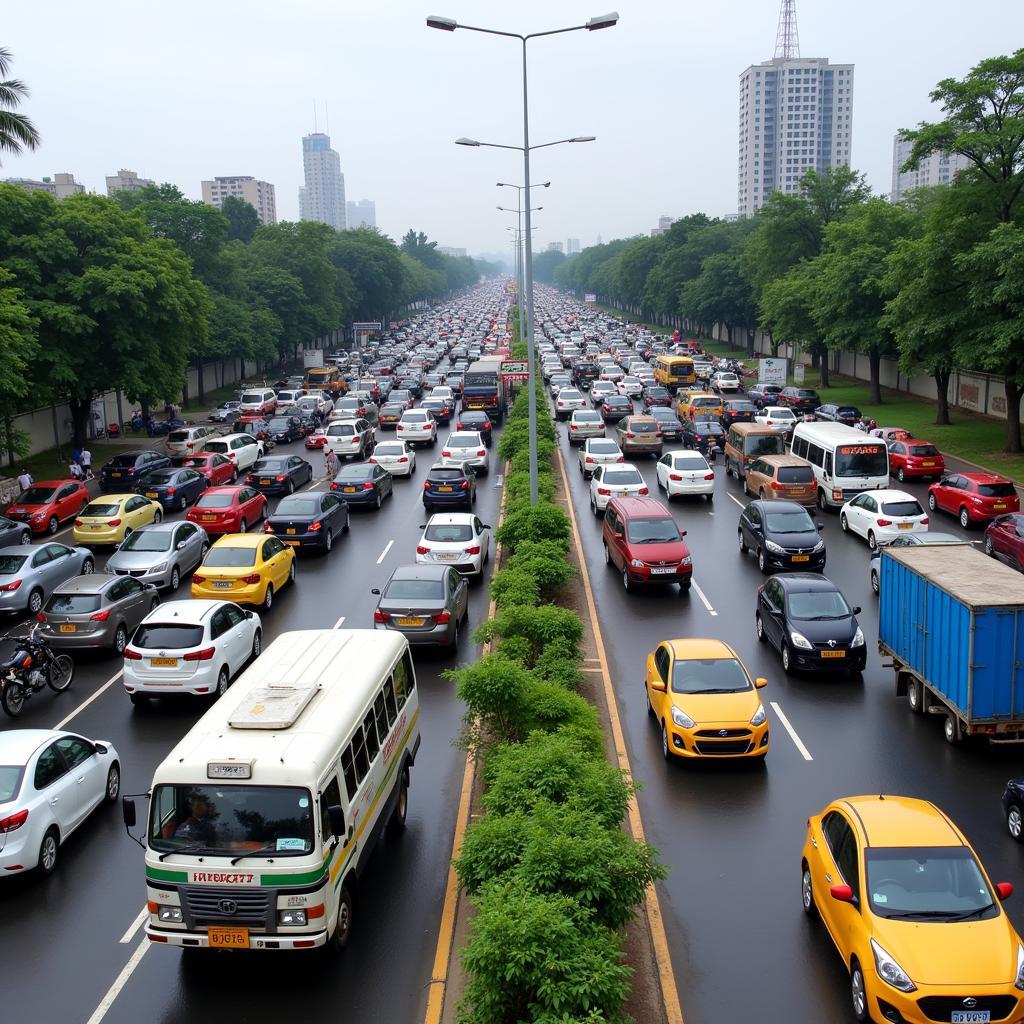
845, 460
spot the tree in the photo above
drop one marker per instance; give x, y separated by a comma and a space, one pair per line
787, 310
545, 265
721, 294
17, 132
17, 348
242, 218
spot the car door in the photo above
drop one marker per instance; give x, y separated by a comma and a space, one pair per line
238, 636
1015, 540
459, 590
136, 599
41, 571
275, 554
483, 537
753, 526
188, 546
662, 469
897, 456
220, 634
69, 502
773, 617
88, 776
331, 509
946, 493
662, 670
54, 782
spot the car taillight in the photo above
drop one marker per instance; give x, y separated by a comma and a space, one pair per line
481, 451
100, 616
443, 618
78, 522
674, 476
196, 578
621, 458
253, 577
280, 478
464, 485
776, 486
131, 655
400, 427
643, 490
588, 459
204, 655
8, 587
709, 476
250, 478
379, 616
603, 490
113, 522
924, 522
267, 528
884, 522
445, 453
335, 487
475, 550
13, 821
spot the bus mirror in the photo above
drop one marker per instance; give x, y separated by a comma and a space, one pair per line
128, 811
336, 816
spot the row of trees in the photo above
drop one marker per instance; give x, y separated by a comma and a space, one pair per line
936, 281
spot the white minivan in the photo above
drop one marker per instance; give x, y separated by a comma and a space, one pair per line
258, 402
242, 449
846, 461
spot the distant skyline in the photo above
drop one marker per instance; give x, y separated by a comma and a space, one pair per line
156, 94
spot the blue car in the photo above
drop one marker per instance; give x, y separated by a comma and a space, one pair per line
173, 488
448, 486
363, 484
124, 471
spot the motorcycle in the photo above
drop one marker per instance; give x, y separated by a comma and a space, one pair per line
32, 667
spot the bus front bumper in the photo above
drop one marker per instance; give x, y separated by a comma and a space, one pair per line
258, 941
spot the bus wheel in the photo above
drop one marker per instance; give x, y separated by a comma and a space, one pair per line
343, 927
396, 823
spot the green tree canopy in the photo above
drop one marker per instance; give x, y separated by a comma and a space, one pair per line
242, 218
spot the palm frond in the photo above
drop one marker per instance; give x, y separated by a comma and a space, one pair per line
5, 59
12, 92
17, 132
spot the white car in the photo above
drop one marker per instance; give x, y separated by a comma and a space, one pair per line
569, 399
455, 538
612, 373
882, 516
321, 401
631, 387
599, 451
557, 382
286, 399
242, 449
724, 381
646, 376
195, 647
396, 457
50, 782
584, 423
417, 426
442, 391
466, 448
685, 472
616, 481
777, 416
601, 389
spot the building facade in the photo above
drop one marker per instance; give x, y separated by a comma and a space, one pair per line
258, 194
555, 247
451, 250
572, 247
322, 198
126, 181
60, 186
937, 169
361, 214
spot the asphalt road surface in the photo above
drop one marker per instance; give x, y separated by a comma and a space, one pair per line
74, 940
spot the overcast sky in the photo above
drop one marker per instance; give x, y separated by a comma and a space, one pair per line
185, 91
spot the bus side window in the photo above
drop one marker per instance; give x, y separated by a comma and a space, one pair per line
359, 754
815, 455
381, 714
404, 679
370, 731
800, 447
349, 771
828, 463
389, 702
330, 797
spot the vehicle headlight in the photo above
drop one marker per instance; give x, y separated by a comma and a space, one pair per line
688, 560
170, 915
759, 716
159, 568
820, 546
681, 718
858, 638
291, 917
775, 549
1018, 981
636, 563
889, 971
799, 640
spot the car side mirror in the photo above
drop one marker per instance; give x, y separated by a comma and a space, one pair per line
100, 748
856, 609
128, 811
248, 613
658, 684
375, 590
843, 893
820, 526
682, 533
336, 818
760, 683
180, 546
1004, 890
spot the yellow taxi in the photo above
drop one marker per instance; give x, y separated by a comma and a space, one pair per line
109, 518
704, 701
703, 403
912, 913
248, 568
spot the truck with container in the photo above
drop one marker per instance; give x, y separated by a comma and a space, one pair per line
952, 622
484, 389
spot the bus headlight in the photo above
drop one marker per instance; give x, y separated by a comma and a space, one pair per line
292, 918
169, 915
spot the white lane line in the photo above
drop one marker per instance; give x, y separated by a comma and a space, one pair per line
384, 553
732, 497
119, 983
703, 598
337, 625
792, 732
85, 703
134, 926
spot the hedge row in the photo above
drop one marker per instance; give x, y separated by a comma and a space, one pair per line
552, 875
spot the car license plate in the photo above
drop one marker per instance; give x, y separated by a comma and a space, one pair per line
971, 1016
229, 938
209, 519
445, 490
927, 464
801, 558
906, 526
264, 481
151, 494
292, 543
662, 570
833, 654
446, 556
409, 622
112, 473
222, 584
999, 504
164, 662
68, 627
290, 531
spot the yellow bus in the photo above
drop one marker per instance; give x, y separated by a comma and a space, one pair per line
673, 372
324, 378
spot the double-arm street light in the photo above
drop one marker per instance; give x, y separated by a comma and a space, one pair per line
520, 274
450, 25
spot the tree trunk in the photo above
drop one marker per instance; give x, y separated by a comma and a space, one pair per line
79, 408
823, 367
875, 382
815, 357
1013, 395
751, 342
941, 378
200, 394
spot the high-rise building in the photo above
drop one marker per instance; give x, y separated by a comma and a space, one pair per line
126, 181
664, 223
362, 214
322, 198
60, 186
935, 169
795, 115
258, 194
555, 247
572, 247
451, 250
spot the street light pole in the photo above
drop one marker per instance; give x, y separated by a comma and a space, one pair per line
520, 275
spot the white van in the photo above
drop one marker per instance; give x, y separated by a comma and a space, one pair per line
258, 402
845, 461
242, 449
180, 444
286, 399
262, 819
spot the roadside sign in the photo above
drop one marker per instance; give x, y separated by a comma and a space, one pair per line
590, 297
771, 371
516, 379
798, 373
515, 367
368, 325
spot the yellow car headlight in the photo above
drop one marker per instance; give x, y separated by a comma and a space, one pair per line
890, 972
681, 718
1018, 982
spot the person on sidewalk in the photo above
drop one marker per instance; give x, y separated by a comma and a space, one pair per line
74, 470
85, 460
25, 480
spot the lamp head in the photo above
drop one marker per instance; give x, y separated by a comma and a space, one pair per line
467, 142
584, 138
450, 24
602, 21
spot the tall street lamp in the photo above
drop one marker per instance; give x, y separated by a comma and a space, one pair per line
593, 25
520, 282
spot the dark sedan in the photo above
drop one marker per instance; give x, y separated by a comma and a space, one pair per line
363, 483
1013, 808
764, 394
698, 433
310, 520
440, 408
123, 471
448, 485
737, 411
279, 474
173, 488
13, 533
848, 414
806, 617
782, 536
655, 395
668, 423
284, 429
615, 407
425, 603
478, 420
411, 384
402, 396
389, 415
800, 400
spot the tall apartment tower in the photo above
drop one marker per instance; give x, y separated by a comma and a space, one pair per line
937, 169
572, 247
258, 194
361, 214
126, 181
322, 198
795, 115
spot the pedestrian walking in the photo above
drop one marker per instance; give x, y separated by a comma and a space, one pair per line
25, 480
85, 459
332, 463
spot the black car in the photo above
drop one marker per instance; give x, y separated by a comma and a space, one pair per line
807, 619
363, 483
655, 395
848, 414
700, 433
411, 384
275, 474
440, 408
454, 381
308, 421
800, 400
285, 428
389, 415
173, 488
737, 411
310, 520
123, 471
615, 407
448, 486
1013, 808
764, 394
476, 419
782, 536
668, 423
12, 533
401, 396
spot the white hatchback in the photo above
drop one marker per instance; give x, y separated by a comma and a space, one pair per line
631, 387
567, 401
614, 482
455, 538
466, 448
599, 451
417, 426
396, 457
195, 647
601, 389
685, 472
778, 416
882, 516
50, 782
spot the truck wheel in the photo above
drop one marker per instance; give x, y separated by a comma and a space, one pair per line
915, 696
343, 927
951, 730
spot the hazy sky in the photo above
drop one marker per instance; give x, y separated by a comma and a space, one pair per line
187, 90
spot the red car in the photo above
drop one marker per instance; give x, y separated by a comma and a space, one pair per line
217, 469
915, 458
1004, 539
48, 503
973, 498
228, 509
317, 440
642, 539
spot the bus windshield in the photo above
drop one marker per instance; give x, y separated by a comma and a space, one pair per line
862, 460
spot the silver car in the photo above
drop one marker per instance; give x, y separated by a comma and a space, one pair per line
466, 447
97, 610
28, 575
160, 554
585, 423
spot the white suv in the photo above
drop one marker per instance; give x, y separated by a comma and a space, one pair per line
188, 441
242, 449
466, 448
417, 426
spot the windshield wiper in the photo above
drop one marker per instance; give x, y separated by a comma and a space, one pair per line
948, 915
822, 618
967, 914
724, 689
190, 848
657, 540
272, 848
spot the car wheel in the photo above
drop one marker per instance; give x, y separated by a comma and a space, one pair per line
759, 627
344, 529
223, 681
746, 488
858, 993
787, 663
183, 504
931, 502
35, 601
650, 706
48, 853
175, 581
52, 525
1015, 823
666, 750
626, 584
988, 546
899, 474
379, 501
844, 523
233, 477
291, 572
875, 585
120, 639
26, 537
822, 503
965, 519
343, 925
328, 541
872, 543
951, 730
742, 542
243, 526
593, 507
915, 696
761, 494
806, 891
257, 644
396, 823
762, 562
158, 517
291, 487
268, 597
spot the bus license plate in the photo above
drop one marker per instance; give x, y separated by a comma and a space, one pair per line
971, 1016
164, 662
68, 627
833, 654
229, 938
801, 558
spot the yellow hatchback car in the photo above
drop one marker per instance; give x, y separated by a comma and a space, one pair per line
248, 568
915, 918
692, 403
109, 518
705, 702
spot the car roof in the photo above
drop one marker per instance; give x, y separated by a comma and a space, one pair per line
806, 581
240, 540
102, 498
451, 518
53, 483
90, 583
890, 494
894, 821
18, 745
419, 572
985, 478
641, 508
193, 610
695, 647
777, 505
